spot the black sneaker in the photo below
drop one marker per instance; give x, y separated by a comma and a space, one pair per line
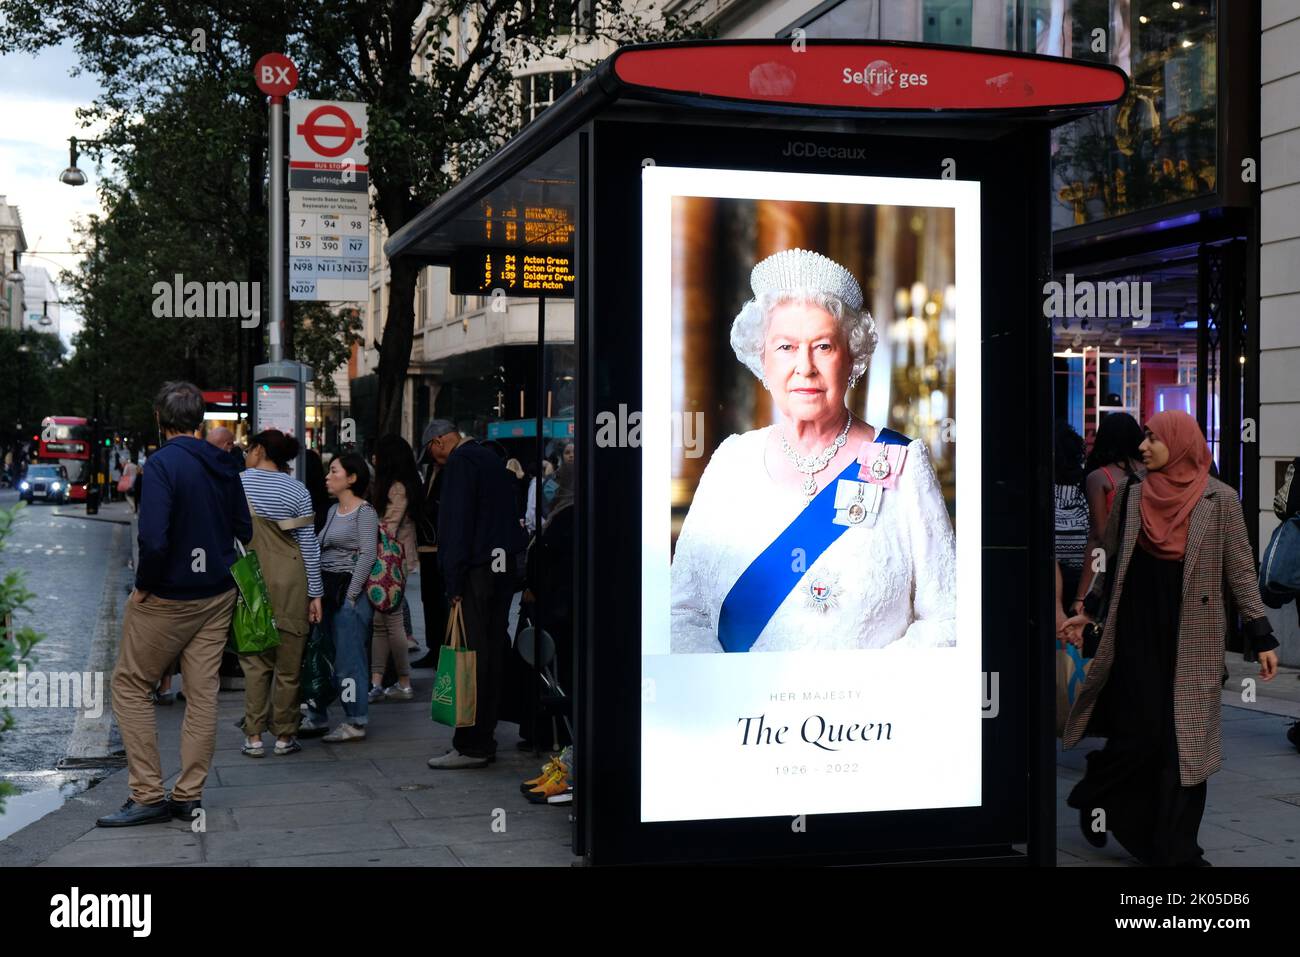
131, 814
1293, 734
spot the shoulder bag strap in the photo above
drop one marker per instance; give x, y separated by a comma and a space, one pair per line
1112, 562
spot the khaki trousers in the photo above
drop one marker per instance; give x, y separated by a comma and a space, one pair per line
155, 633
271, 687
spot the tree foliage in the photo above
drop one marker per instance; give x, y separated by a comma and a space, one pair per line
180, 99
32, 380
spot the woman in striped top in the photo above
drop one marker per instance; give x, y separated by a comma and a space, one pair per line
349, 543
1071, 508
285, 542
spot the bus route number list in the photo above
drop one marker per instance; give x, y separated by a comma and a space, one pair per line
515, 274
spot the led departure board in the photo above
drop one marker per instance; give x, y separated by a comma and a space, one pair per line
477, 272
522, 225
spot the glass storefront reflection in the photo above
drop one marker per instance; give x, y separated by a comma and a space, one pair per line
1157, 147
1160, 145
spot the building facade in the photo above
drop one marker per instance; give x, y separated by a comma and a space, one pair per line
1279, 271
13, 243
42, 295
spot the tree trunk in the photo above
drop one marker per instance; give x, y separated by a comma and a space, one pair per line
395, 350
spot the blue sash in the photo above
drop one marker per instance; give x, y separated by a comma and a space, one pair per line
770, 577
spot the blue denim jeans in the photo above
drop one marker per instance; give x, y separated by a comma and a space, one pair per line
349, 627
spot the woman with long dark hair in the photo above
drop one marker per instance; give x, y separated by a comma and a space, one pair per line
348, 545
314, 478
397, 498
1115, 457
1175, 542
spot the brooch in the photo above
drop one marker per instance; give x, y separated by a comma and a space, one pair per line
881, 463
820, 593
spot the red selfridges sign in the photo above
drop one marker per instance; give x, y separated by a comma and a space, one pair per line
874, 76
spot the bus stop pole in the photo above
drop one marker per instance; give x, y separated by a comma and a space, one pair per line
275, 232
538, 515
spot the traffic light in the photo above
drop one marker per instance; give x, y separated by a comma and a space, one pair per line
108, 443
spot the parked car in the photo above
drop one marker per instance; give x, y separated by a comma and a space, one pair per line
46, 482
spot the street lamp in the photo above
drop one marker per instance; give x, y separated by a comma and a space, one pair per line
73, 176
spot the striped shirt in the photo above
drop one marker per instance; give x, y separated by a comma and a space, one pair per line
1071, 525
276, 496
349, 544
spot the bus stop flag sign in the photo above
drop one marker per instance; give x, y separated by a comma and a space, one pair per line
329, 201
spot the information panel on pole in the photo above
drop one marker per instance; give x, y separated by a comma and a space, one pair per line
329, 201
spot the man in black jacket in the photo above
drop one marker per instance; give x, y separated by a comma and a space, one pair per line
191, 511
478, 537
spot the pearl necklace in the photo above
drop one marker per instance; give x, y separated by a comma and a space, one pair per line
810, 465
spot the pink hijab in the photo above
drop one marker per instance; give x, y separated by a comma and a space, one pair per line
1170, 493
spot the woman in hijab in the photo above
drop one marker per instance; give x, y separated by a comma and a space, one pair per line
1174, 541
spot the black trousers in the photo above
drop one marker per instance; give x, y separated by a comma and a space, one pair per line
434, 600
486, 609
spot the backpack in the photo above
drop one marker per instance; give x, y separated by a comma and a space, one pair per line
387, 580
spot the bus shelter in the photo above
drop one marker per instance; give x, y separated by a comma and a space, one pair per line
867, 674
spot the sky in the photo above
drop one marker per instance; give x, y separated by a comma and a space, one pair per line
38, 102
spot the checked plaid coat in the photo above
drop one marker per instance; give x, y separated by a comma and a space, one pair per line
1218, 560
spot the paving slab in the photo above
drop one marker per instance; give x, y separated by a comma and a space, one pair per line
263, 795
385, 857
543, 852
267, 771
285, 842
498, 826
165, 846
318, 815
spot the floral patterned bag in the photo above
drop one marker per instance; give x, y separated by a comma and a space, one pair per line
387, 580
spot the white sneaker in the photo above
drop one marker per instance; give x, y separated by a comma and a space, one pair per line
398, 693
343, 733
455, 761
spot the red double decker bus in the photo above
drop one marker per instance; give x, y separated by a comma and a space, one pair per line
65, 440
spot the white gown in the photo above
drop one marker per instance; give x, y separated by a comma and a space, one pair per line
891, 582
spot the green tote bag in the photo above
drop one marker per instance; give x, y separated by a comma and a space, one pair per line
455, 689
252, 627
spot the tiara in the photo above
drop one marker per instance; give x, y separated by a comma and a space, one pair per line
801, 269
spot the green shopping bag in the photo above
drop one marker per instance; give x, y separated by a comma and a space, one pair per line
252, 627
455, 690
316, 681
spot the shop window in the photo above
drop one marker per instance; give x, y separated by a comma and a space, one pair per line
421, 298
537, 91
1160, 145
947, 21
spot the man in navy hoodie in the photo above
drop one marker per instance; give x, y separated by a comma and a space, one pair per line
192, 508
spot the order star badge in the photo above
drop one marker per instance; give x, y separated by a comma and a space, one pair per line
821, 593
